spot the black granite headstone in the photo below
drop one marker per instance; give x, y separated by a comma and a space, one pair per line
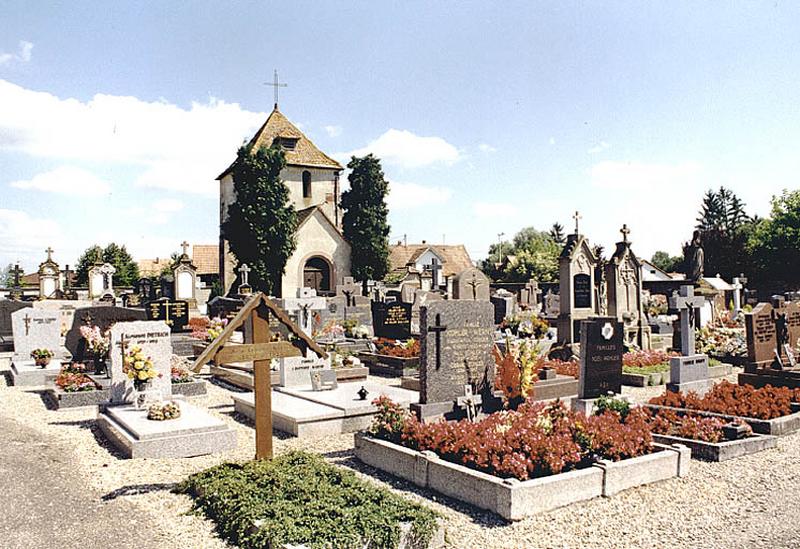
174, 313
101, 316
582, 291
602, 347
391, 320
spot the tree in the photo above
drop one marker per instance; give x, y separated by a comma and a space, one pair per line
127, 271
535, 256
724, 228
364, 222
775, 243
666, 262
7, 276
557, 234
262, 221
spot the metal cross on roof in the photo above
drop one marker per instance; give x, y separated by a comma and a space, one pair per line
184, 245
625, 232
275, 84
49, 251
577, 217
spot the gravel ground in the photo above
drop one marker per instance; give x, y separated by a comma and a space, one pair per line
746, 502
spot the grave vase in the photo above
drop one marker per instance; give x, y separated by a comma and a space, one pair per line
142, 395
100, 366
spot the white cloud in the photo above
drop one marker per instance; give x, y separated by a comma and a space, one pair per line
168, 205
408, 150
639, 175
68, 180
485, 147
23, 54
176, 148
600, 147
333, 131
24, 238
494, 209
405, 196
552, 141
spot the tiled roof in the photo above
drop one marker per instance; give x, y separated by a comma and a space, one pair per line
206, 258
153, 267
455, 257
304, 153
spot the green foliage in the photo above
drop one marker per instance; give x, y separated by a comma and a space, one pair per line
724, 228
667, 263
127, 271
535, 256
557, 234
622, 407
7, 276
775, 242
262, 221
364, 223
298, 498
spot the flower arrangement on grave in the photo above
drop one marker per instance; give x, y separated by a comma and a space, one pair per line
163, 411
736, 400
516, 372
332, 330
355, 330
138, 367
721, 341
654, 304
344, 359
179, 373
639, 361
97, 342
42, 356
525, 325
208, 330
73, 379
398, 349
533, 441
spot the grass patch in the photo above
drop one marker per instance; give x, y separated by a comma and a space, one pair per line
645, 370
299, 498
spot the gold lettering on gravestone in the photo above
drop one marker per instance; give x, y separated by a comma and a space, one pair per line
395, 316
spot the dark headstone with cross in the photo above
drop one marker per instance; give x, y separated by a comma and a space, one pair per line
174, 312
688, 372
392, 320
6, 308
471, 284
456, 339
103, 317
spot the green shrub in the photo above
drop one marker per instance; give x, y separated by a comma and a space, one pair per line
622, 407
299, 498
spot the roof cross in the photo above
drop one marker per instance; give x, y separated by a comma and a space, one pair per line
275, 84
577, 217
625, 232
184, 245
49, 251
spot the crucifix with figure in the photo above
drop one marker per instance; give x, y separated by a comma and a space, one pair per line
276, 84
686, 302
474, 283
27, 321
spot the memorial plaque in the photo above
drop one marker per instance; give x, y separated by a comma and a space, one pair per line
392, 320
174, 313
602, 348
153, 338
456, 349
582, 291
297, 371
760, 332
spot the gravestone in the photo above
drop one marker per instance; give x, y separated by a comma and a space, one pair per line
153, 338
304, 308
530, 295
688, 372
623, 274
772, 331
8, 306
102, 317
174, 313
471, 284
576, 271
101, 280
296, 371
35, 329
185, 275
49, 285
348, 288
348, 308
602, 348
224, 307
505, 304
65, 308
392, 320
324, 380
551, 304
455, 352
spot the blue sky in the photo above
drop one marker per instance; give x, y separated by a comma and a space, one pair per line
116, 118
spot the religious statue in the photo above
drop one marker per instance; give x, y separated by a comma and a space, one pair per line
694, 258
602, 293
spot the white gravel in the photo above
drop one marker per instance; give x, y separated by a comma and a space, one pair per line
748, 502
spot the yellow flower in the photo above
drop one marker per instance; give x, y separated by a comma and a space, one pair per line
138, 365
143, 376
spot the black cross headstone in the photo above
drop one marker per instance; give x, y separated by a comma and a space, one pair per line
437, 329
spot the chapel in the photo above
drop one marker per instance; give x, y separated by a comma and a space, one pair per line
322, 257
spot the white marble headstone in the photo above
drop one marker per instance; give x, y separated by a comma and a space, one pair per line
296, 371
153, 337
35, 329
64, 307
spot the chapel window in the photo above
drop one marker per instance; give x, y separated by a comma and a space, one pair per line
306, 184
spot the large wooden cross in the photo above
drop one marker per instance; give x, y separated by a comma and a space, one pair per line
261, 350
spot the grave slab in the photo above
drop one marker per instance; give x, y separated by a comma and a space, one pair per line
195, 433
25, 373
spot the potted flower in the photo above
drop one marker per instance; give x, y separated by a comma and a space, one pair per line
42, 357
139, 368
98, 344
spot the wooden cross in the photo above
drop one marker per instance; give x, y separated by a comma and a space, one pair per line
625, 232
184, 245
49, 251
686, 302
27, 321
275, 84
577, 217
437, 329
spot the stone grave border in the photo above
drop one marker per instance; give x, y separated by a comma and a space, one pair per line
721, 451
783, 425
513, 499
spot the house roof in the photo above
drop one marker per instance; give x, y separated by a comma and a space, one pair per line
306, 214
305, 153
153, 267
455, 257
650, 272
717, 283
206, 258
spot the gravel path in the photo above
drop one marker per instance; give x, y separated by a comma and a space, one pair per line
748, 502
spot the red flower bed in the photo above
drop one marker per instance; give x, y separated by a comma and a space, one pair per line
564, 368
736, 400
643, 359
390, 347
533, 441
72, 382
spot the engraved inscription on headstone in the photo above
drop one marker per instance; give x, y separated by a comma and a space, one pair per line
153, 338
35, 329
602, 348
582, 291
174, 313
392, 320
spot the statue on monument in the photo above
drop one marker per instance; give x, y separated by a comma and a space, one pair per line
695, 258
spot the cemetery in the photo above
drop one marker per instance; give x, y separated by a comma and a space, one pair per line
430, 296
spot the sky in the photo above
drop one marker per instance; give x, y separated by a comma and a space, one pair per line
116, 118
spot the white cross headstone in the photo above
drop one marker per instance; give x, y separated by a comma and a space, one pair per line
153, 338
35, 329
